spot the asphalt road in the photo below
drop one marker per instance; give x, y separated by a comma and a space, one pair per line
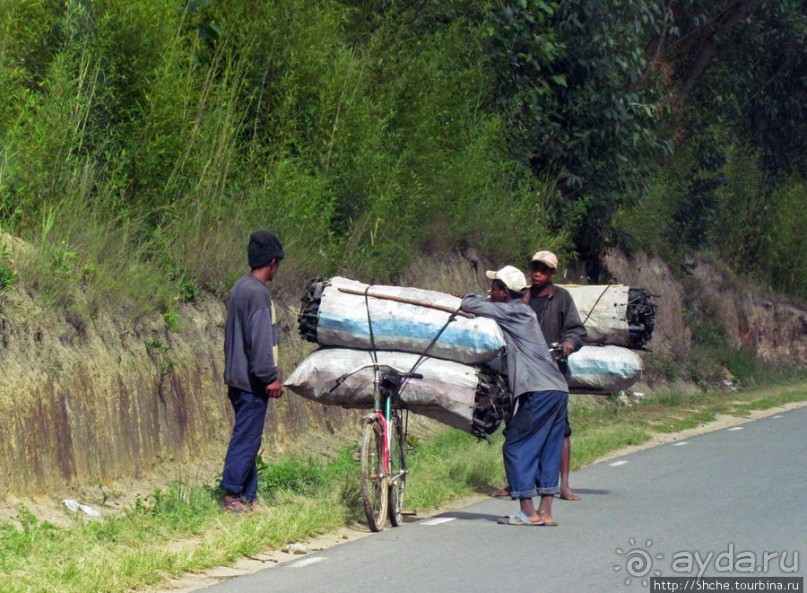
718, 504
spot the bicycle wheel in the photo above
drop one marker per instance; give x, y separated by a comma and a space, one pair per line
374, 479
397, 461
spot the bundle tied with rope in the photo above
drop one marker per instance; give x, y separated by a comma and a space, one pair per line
615, 314
421, 330
471, 398
342, 312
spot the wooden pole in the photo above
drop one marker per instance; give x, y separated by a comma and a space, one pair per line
397, 299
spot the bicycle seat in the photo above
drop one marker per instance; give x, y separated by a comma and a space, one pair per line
391, 382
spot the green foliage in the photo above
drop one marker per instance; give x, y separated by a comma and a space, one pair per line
658, 366
706, 331
715, 195
695, 212
188, 292
186, 131
141, 144
574, 77
678, 214
765, 221
24, 539
301, 476
788, 251
8, 274
754, 84
171, 319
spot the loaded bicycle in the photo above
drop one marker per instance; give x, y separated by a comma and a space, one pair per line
383, 446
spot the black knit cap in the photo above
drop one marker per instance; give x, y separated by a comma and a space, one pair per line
263, 248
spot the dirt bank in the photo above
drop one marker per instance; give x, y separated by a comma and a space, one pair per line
88, 404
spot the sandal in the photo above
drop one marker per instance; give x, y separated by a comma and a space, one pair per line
520, 519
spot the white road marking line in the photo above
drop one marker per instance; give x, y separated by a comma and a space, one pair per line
777, 416
306, 562
616, 463
736, 428
680, 443
438, 520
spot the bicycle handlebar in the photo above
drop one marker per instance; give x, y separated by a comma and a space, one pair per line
378, 366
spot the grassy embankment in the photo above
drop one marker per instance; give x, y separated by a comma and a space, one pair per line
181, 529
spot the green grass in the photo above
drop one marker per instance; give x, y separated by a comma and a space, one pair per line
181, 528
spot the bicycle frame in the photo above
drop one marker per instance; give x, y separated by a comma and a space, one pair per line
382, 409
383, 481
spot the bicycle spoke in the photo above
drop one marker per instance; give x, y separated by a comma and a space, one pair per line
397, 486
374, 480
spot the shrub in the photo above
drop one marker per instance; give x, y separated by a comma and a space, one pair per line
8, 273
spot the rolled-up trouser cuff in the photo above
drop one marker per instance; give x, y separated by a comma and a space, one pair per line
549, 491
514, 494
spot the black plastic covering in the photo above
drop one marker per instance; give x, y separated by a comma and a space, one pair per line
641, 317
309, 310
492, 404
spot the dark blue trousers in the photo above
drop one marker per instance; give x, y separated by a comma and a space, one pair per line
533, 442
240, 474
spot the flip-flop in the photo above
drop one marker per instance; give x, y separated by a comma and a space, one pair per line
547, 523
572, 497
502, 493
520, 519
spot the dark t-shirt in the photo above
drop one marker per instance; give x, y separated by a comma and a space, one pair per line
538, 304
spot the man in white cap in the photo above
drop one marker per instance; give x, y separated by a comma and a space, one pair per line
534, 437
560, 323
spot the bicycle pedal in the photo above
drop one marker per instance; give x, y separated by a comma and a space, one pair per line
409, 512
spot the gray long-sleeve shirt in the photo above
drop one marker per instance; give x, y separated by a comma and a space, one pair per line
529, 364
250, 337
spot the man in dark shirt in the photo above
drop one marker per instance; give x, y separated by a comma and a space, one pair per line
561, 325
250, 369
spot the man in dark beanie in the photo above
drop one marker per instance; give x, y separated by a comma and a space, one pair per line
250, 368
263, 248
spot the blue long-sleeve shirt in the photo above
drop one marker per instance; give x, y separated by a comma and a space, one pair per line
250, 337
529, 363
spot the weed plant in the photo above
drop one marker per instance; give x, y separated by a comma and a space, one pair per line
7, 273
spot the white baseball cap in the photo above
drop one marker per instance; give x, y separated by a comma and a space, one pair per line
546, 257
512, 277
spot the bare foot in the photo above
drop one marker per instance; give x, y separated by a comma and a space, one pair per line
567, 494
546, 520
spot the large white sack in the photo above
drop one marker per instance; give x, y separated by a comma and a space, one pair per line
342, 320
603, 369
604, 312
446, 393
